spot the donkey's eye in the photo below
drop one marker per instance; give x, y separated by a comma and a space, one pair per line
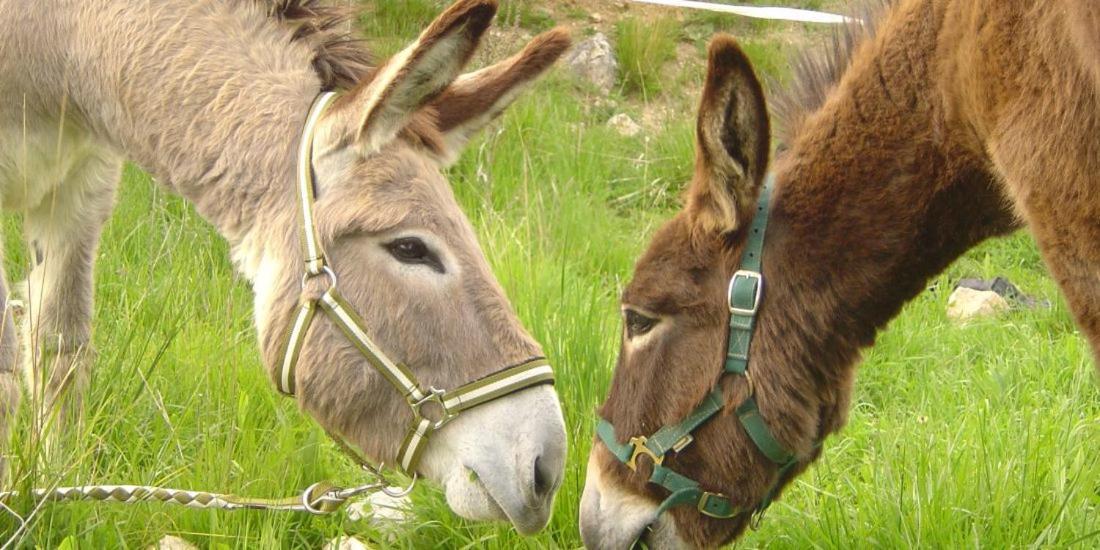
411, 250
638, 324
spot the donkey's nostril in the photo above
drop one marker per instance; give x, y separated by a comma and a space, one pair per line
545, 478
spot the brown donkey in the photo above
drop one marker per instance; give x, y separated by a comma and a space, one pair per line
954, 121
210, 97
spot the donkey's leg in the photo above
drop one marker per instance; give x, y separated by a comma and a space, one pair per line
9, 372
1055, 186
1069, 238
63, 235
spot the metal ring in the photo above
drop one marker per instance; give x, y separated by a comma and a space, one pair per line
376, 471
309, 505
433, 395
639, 448
389, 490
352, 492
403, 492
324, 270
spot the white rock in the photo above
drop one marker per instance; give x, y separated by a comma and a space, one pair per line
594, 60
624, 125
345, 543
967, 303
595, 17
172, 543
380, 508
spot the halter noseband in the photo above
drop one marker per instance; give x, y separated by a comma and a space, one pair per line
446, 404
746, 289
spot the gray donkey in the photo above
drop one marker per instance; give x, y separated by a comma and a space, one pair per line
210, 97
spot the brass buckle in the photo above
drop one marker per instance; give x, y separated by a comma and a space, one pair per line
640, 449
703, 500
702, 506
433, 395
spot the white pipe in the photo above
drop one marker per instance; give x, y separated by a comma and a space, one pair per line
758, 12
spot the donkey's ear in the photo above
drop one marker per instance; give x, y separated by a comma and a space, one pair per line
475, 99
732, 141
372, 114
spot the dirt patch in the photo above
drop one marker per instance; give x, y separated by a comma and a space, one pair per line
772, 42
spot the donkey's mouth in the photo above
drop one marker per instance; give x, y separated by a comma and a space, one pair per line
505, 505
496, 509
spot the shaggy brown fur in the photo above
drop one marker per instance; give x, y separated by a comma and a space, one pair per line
955, 122
817, 70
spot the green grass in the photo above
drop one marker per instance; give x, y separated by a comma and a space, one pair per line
525, 14
643, 46
980, 435
389, 26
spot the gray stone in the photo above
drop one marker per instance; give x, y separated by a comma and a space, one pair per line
594, 60
1010, 292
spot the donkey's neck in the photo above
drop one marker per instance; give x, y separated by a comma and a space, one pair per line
210, 100
878, 193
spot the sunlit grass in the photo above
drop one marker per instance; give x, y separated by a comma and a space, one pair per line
643, 46
959, 436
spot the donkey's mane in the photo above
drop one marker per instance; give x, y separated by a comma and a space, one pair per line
340, 59
817, 69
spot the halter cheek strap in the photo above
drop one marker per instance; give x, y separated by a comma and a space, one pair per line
746, 290
431, 408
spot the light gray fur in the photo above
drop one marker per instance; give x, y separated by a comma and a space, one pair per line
209, 97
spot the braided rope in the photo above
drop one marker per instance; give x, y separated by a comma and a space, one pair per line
129, 494
319, 498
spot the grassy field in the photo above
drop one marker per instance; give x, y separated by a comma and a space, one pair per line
983, 435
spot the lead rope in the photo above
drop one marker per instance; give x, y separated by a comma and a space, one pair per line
320, 498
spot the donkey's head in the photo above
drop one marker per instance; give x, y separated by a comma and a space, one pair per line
676, 322
408, 263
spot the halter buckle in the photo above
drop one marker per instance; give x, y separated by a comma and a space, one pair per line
704, 499
745, 274
433, 395
639, 444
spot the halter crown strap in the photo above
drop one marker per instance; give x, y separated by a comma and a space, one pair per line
314, 255
746, 289
431, 408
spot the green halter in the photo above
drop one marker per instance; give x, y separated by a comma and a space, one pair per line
744, 296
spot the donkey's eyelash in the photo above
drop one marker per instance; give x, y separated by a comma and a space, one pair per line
637, 324
413, 251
